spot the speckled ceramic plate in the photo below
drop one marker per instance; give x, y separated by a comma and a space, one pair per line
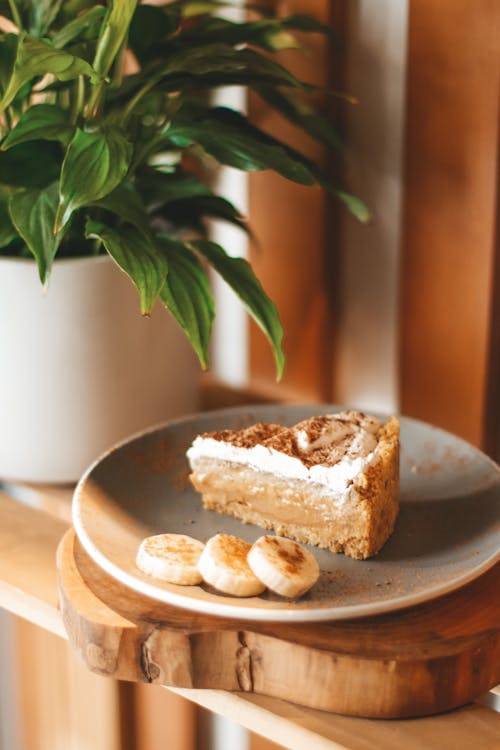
447, 533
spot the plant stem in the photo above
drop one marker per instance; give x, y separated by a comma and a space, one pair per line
119, 63
93, 103
137, 98
8, 119
16, 16
78, 100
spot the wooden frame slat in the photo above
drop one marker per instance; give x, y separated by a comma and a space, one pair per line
63, 706
448, 265
295, 248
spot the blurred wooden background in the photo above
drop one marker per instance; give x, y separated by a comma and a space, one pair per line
446, 316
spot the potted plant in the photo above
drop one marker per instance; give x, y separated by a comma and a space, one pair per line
106, 126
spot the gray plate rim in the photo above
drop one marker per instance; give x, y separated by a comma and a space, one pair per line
221, 609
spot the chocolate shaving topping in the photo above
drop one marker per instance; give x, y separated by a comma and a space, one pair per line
247, 438
318, 440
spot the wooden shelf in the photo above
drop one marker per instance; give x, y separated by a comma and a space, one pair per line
28, 588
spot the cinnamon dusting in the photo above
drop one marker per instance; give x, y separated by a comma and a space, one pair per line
292, 560
322, 447
234, 551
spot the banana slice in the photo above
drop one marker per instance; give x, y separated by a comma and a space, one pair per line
284, 566
223, 564
171, 557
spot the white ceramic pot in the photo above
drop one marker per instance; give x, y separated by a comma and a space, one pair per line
80, 368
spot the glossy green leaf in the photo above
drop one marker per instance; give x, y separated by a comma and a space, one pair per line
8, 50
95, 163
8, 231
41, 121
135, 253
126, 203
193, 8
239, 275
72, 8
31, 164
269, 34
308, 24
299, 113
209, 59
231, 139
150, 24
113, 33
188, 296
33, 213
190, 212
203, 67
356, 206
37, 15
265, 32
36, 58
158, 188
79, 25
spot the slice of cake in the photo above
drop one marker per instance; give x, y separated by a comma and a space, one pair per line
331, 481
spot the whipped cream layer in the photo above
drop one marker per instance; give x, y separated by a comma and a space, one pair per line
329, 450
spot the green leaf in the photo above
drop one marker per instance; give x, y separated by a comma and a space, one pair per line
149, 26
208, 59
193, 8
301, 114
187, 295
113, 33
38, 15
356, 206
239, 275
8, 49
95, 163
269, 34
158, 188
231, 139
7, 230
31, 164
135, 253
190, 212
79, 25
41, 121
33, 213
125, 202
38, 58
308, 24
204, 66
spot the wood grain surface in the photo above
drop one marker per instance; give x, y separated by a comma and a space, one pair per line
28, 587
449, 286
295, 232
421, 661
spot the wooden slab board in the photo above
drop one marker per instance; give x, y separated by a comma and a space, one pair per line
417, 662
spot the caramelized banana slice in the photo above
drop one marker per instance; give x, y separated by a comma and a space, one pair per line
171, 557
223, 564
284, 566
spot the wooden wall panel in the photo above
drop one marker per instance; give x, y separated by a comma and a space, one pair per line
163, 720
294, 251
447, 289
63, 706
